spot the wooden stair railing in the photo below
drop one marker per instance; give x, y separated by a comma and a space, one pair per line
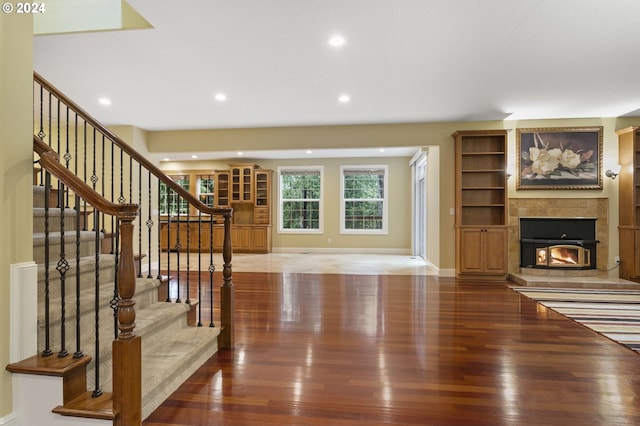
85, 157
226, 338
126, 394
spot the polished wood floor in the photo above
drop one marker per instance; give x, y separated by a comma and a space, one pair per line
315, 349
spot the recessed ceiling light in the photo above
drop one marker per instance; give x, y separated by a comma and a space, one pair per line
240, 154
104, 101
381, 150
309, 151
220, 97
194, 156
165, 159
336, 41
344, 98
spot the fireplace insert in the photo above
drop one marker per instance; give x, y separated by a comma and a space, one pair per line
565, 243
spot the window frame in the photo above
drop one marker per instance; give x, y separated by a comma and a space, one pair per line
385, 200
281, 201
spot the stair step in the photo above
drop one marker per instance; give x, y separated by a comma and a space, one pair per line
54, 218
88, 407
87, 270
179, 358
146, 291
38, 196
72, 370
87, 245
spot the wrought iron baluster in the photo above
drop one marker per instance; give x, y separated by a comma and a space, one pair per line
130, 179
113, 227
97, 391
116, 290
150, 226
78, 353
67, 154
199, 268
62, 267
160, 210
94, 179
178, 247
47, 323
84, 171
212, 269
140, 221
188, 252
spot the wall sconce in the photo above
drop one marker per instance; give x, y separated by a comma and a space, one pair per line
613, 172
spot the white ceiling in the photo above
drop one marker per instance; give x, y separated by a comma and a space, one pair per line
403, 61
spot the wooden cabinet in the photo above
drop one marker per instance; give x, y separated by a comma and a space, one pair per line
629, 203
481, 204
483, 250
222, 188
192, 237
261, 213
242, 182
244, 187
245, 238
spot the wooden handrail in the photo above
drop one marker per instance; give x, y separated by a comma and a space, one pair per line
49, 161
130, 151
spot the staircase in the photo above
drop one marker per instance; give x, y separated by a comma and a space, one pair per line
171, 350
111, 345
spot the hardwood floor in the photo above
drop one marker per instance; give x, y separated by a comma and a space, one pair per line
315, 349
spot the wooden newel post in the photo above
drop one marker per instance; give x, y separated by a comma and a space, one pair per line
227, 338
127, 358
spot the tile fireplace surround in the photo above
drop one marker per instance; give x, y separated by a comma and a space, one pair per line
558, 207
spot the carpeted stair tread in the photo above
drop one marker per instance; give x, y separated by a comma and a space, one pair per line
87, 245
177, 360
146, 294
54, 220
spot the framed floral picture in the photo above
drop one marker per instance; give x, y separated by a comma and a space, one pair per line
559, 158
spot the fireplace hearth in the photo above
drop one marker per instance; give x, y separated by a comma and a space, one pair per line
558, 243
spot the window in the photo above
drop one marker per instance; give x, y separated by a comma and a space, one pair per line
300, 199
170, 201
205, 189
363, 208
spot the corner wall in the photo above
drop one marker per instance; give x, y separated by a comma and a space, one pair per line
16, 171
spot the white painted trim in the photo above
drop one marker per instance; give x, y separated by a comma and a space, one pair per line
447, 273
23, 311
8, 420
403, 252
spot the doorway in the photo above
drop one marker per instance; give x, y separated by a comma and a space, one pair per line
419, 173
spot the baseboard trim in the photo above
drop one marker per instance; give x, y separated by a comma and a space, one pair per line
336, 250
8, 420
449, 273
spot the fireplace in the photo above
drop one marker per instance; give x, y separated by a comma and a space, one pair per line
558, 243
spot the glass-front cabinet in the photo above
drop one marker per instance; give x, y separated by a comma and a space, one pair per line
244, 187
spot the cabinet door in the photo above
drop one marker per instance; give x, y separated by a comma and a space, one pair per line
495, 250
483, 251
259, 239
204, 243
242, 239
471, 250
242, 183
221, 192
218, 237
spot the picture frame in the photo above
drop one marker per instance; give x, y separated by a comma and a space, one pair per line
559, 158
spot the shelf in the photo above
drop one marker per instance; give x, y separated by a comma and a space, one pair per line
473, 188
483, 153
